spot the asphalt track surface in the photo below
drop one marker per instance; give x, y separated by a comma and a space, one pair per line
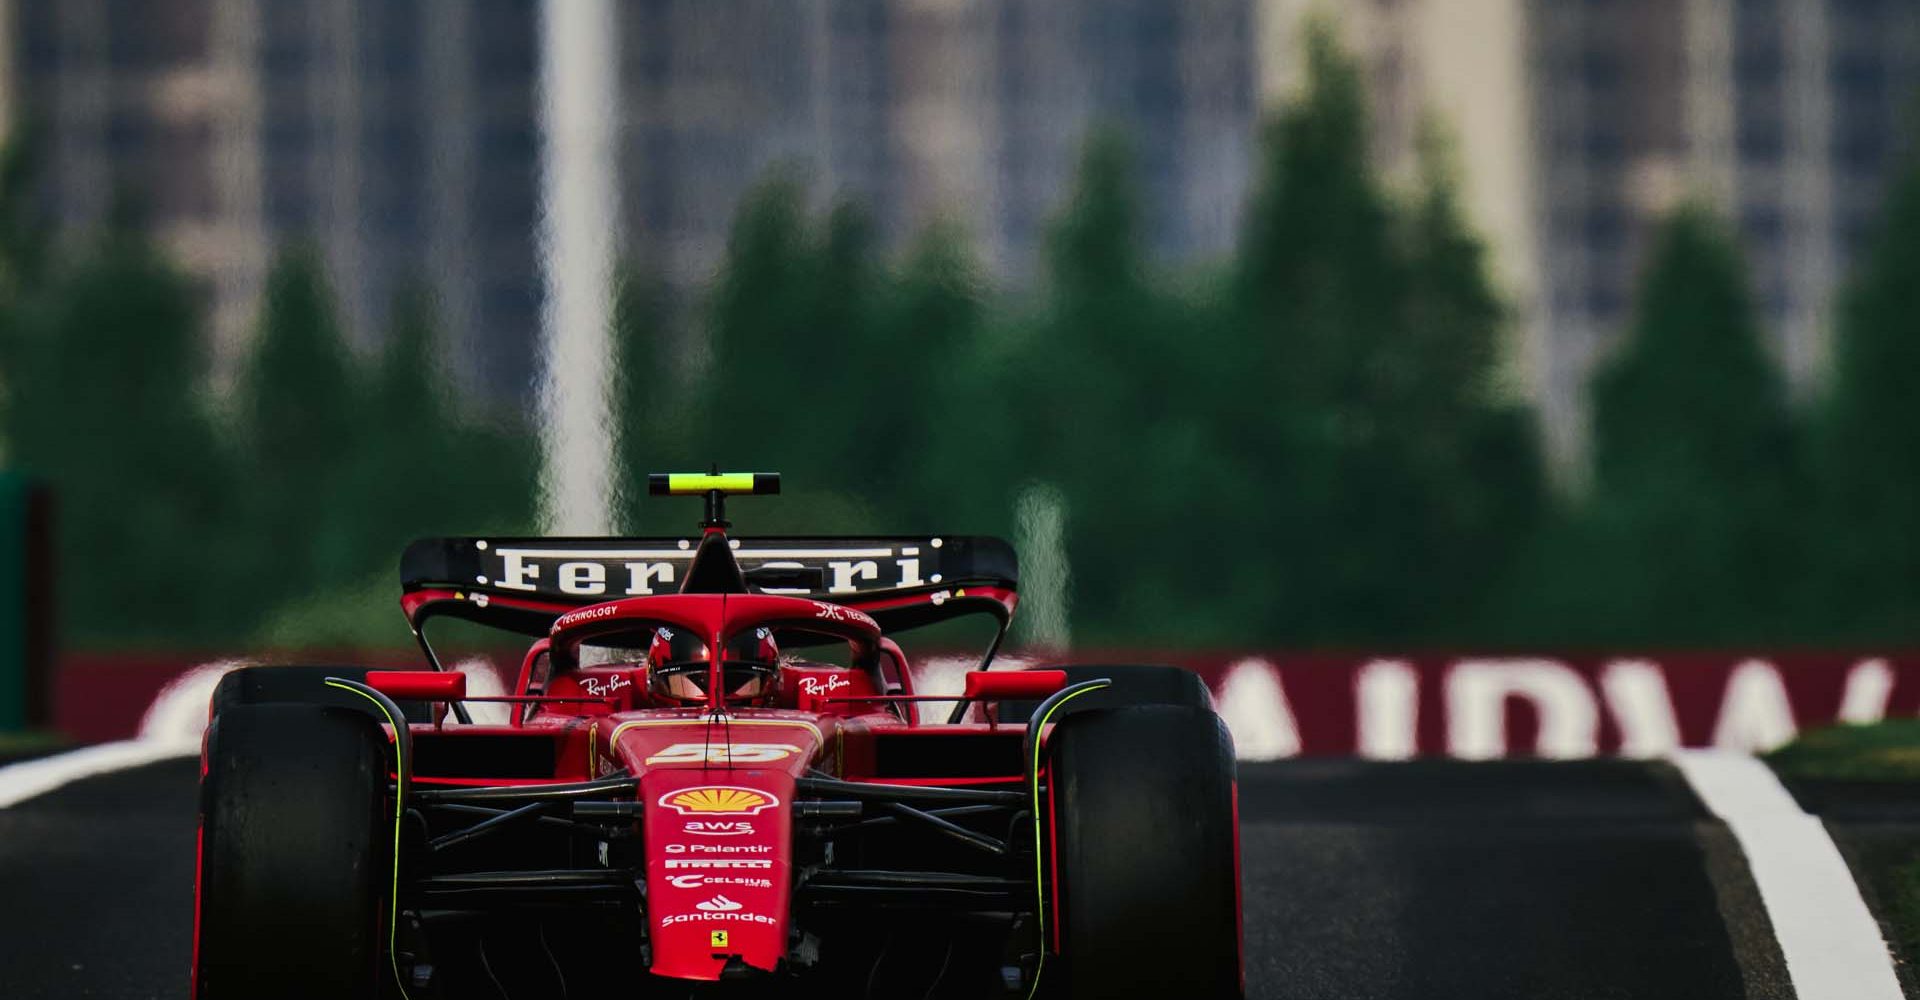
1436, 879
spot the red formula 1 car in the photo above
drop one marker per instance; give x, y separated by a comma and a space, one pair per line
714, 776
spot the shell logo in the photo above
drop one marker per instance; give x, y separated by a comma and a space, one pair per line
718, 800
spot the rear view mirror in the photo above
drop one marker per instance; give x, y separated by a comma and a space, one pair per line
991, 685
419, 685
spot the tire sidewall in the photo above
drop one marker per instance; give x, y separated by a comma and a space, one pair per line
1142, 811
295, 854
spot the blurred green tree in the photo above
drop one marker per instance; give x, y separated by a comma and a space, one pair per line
105, 402
1318, 291
1477, 488
1110, 393
651, 401
22, 256
1692, 531
1363, 411
427, 467
920, 427
418, 467
23, 245
1869, 454
303, 413
784, 386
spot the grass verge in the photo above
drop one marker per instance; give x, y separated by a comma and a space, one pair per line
29, 743
1883, 751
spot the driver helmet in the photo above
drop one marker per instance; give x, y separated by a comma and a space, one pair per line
677, 665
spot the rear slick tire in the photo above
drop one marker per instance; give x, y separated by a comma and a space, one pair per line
1148, 898
295, 855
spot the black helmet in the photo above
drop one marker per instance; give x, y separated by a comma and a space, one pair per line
678, 666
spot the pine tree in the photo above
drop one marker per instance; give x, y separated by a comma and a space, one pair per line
1114, 391
928, 449
1361, 415
105, 406
1476, 489
408, 463
22, 260
1316, 289
786, 387
301, 405
1869, 459
653, 432
1692, 527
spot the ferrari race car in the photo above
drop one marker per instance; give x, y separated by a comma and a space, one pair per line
715, 774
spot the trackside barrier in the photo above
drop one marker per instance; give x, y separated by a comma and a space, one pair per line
1385, 706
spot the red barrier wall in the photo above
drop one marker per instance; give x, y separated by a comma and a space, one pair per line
1382, 705
102, 696
1561, 705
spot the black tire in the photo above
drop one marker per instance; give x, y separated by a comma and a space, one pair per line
296, 849
1133, 684
1149, 893
266, 685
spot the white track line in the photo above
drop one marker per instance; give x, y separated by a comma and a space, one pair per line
171, 727
22, 781
1832, 945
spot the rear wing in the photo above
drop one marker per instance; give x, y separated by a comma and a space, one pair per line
523, 584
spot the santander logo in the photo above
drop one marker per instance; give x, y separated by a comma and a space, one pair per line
718, 904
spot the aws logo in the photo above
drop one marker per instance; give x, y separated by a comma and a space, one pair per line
718, 800
719, 827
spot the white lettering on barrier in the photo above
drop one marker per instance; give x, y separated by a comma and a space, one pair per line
1387, 696
1755, 714
1476, 698
1637, 697
1869, 685
1254, 706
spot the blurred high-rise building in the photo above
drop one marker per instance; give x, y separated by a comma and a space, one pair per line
1443, 76
1580, 124
1786, 116
923, 110
396, 137
399, 137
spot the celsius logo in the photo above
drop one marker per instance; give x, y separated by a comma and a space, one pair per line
696, 881
718, 800
718, 904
